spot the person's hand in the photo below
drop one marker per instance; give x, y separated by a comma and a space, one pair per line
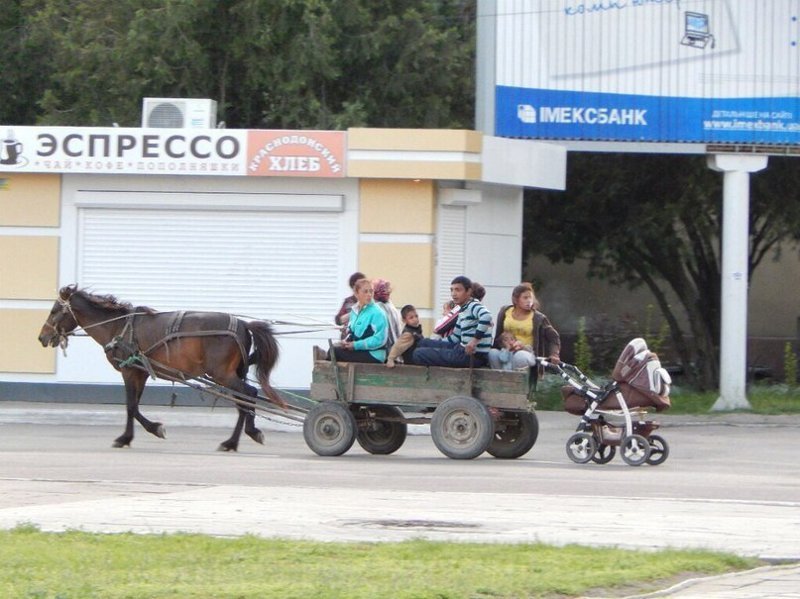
348, 345
515, 346
554, 360
471, 346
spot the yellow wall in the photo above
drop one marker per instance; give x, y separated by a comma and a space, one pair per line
407, 169
432, 140
20, 350
407, 154
409, 267
394, 209
28, 267
29, 200
391, 206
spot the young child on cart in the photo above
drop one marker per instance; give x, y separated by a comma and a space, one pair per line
412, 332
509, 345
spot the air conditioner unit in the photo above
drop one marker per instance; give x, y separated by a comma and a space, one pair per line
179, 113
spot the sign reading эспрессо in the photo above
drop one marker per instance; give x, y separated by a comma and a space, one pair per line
173, 151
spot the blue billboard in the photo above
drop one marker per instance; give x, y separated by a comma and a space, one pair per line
694, 71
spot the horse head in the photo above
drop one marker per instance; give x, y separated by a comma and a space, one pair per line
61, 321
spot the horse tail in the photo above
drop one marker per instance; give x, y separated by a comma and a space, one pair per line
264, 356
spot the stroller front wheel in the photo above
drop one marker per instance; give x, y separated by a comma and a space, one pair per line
635, 450
604, 454
659, 450
581, 447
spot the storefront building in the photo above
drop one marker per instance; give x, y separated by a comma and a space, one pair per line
264, 224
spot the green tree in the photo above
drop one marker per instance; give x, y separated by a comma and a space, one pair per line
654, 220
269, 63
24, 70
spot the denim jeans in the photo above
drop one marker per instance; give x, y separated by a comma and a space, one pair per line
437, 352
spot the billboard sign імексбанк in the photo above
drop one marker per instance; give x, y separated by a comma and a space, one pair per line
697, 71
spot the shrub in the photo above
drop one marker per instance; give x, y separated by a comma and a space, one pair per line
789, 364
583, 353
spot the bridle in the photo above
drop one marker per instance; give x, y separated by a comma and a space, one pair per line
63, 336
66, 308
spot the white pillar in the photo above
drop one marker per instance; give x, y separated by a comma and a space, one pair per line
735, 247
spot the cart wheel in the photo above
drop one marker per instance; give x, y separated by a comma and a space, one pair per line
329, 428
604, 454
516, 439
659, 450
382, 437
462, 428
635, 450
581, 447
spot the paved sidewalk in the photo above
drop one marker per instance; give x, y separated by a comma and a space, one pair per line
770, 582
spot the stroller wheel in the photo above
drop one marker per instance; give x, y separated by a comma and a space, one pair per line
604, 454
635, 450
659, 450
581, 447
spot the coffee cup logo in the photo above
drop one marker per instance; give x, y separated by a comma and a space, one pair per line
10, 149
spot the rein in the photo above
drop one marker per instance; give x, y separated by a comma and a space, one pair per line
66, 307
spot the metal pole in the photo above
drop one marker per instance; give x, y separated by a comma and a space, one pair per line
735, 249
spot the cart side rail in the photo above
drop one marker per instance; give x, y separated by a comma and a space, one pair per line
424, 386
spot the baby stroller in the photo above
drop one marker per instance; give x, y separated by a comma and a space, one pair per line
614, 415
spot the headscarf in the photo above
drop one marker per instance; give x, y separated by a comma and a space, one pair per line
382, 289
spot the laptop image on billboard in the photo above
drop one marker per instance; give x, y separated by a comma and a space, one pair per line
696, 30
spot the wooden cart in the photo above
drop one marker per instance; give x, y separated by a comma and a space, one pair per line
469, 410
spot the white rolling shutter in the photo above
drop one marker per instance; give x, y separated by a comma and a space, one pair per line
450, 250
263, 264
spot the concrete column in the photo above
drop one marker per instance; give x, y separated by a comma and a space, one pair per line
735, 246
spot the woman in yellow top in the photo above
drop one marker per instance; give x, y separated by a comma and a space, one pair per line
534, 334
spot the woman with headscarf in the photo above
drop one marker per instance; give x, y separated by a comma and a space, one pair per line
383, 293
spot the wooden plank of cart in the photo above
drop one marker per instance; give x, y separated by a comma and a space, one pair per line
469, 410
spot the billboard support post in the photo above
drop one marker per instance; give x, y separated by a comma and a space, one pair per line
735, 247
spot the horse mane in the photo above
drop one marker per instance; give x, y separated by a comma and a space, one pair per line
104, 302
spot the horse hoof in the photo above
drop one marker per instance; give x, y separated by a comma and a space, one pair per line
120, 443
161, 431
223, 447
258, 437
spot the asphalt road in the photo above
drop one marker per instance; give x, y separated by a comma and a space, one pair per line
731, 483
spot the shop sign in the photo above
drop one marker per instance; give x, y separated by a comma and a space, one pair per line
296, 153
227, 152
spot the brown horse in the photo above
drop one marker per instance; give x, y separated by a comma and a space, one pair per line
140, 342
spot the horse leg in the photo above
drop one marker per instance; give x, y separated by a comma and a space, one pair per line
134, 385
246, 420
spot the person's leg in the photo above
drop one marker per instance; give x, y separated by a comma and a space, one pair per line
349, 355
426, 352
452, 357
494, 359
437, 343
401, 346
427, 356
523, 359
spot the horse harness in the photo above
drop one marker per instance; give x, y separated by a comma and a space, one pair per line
127, 351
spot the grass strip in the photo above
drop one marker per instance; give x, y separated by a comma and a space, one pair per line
75, 564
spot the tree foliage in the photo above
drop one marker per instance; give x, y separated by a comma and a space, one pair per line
324, 64
655, 220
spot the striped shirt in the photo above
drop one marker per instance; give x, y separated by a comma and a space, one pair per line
474, 321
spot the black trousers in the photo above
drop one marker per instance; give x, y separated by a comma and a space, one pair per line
354, 355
